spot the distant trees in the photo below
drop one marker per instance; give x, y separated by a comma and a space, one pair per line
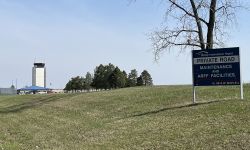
87, 81
117, 79
101, 76
109, 77
79, 83
132, 78
146, 78
74, 84
139, 81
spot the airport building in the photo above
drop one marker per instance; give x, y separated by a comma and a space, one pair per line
39, 75
8, 91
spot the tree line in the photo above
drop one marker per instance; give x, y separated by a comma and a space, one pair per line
107, 77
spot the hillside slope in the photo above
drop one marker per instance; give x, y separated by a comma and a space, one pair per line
160, 117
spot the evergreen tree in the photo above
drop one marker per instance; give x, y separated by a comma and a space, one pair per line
75, 83
108, 71
98, 77
132, 78
68, 86
81, 81
101, 76
88, 81
139, 81
146, 78
126, 78
117, 79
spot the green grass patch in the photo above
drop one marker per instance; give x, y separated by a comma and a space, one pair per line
159, 117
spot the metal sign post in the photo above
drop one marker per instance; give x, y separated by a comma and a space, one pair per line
241, 91
241, 81
194, 96
216, 67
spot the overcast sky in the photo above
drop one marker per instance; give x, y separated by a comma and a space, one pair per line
74, 36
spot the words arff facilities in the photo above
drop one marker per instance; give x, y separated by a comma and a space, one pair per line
216, 67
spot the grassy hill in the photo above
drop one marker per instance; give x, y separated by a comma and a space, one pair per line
160, 117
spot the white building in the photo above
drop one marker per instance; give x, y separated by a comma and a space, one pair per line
39, 75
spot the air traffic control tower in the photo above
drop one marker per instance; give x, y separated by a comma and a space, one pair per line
39, 75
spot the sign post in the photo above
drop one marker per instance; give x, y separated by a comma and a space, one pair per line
216, 67
241, 83
194, 94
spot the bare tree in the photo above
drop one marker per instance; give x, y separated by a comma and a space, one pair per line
198, 24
